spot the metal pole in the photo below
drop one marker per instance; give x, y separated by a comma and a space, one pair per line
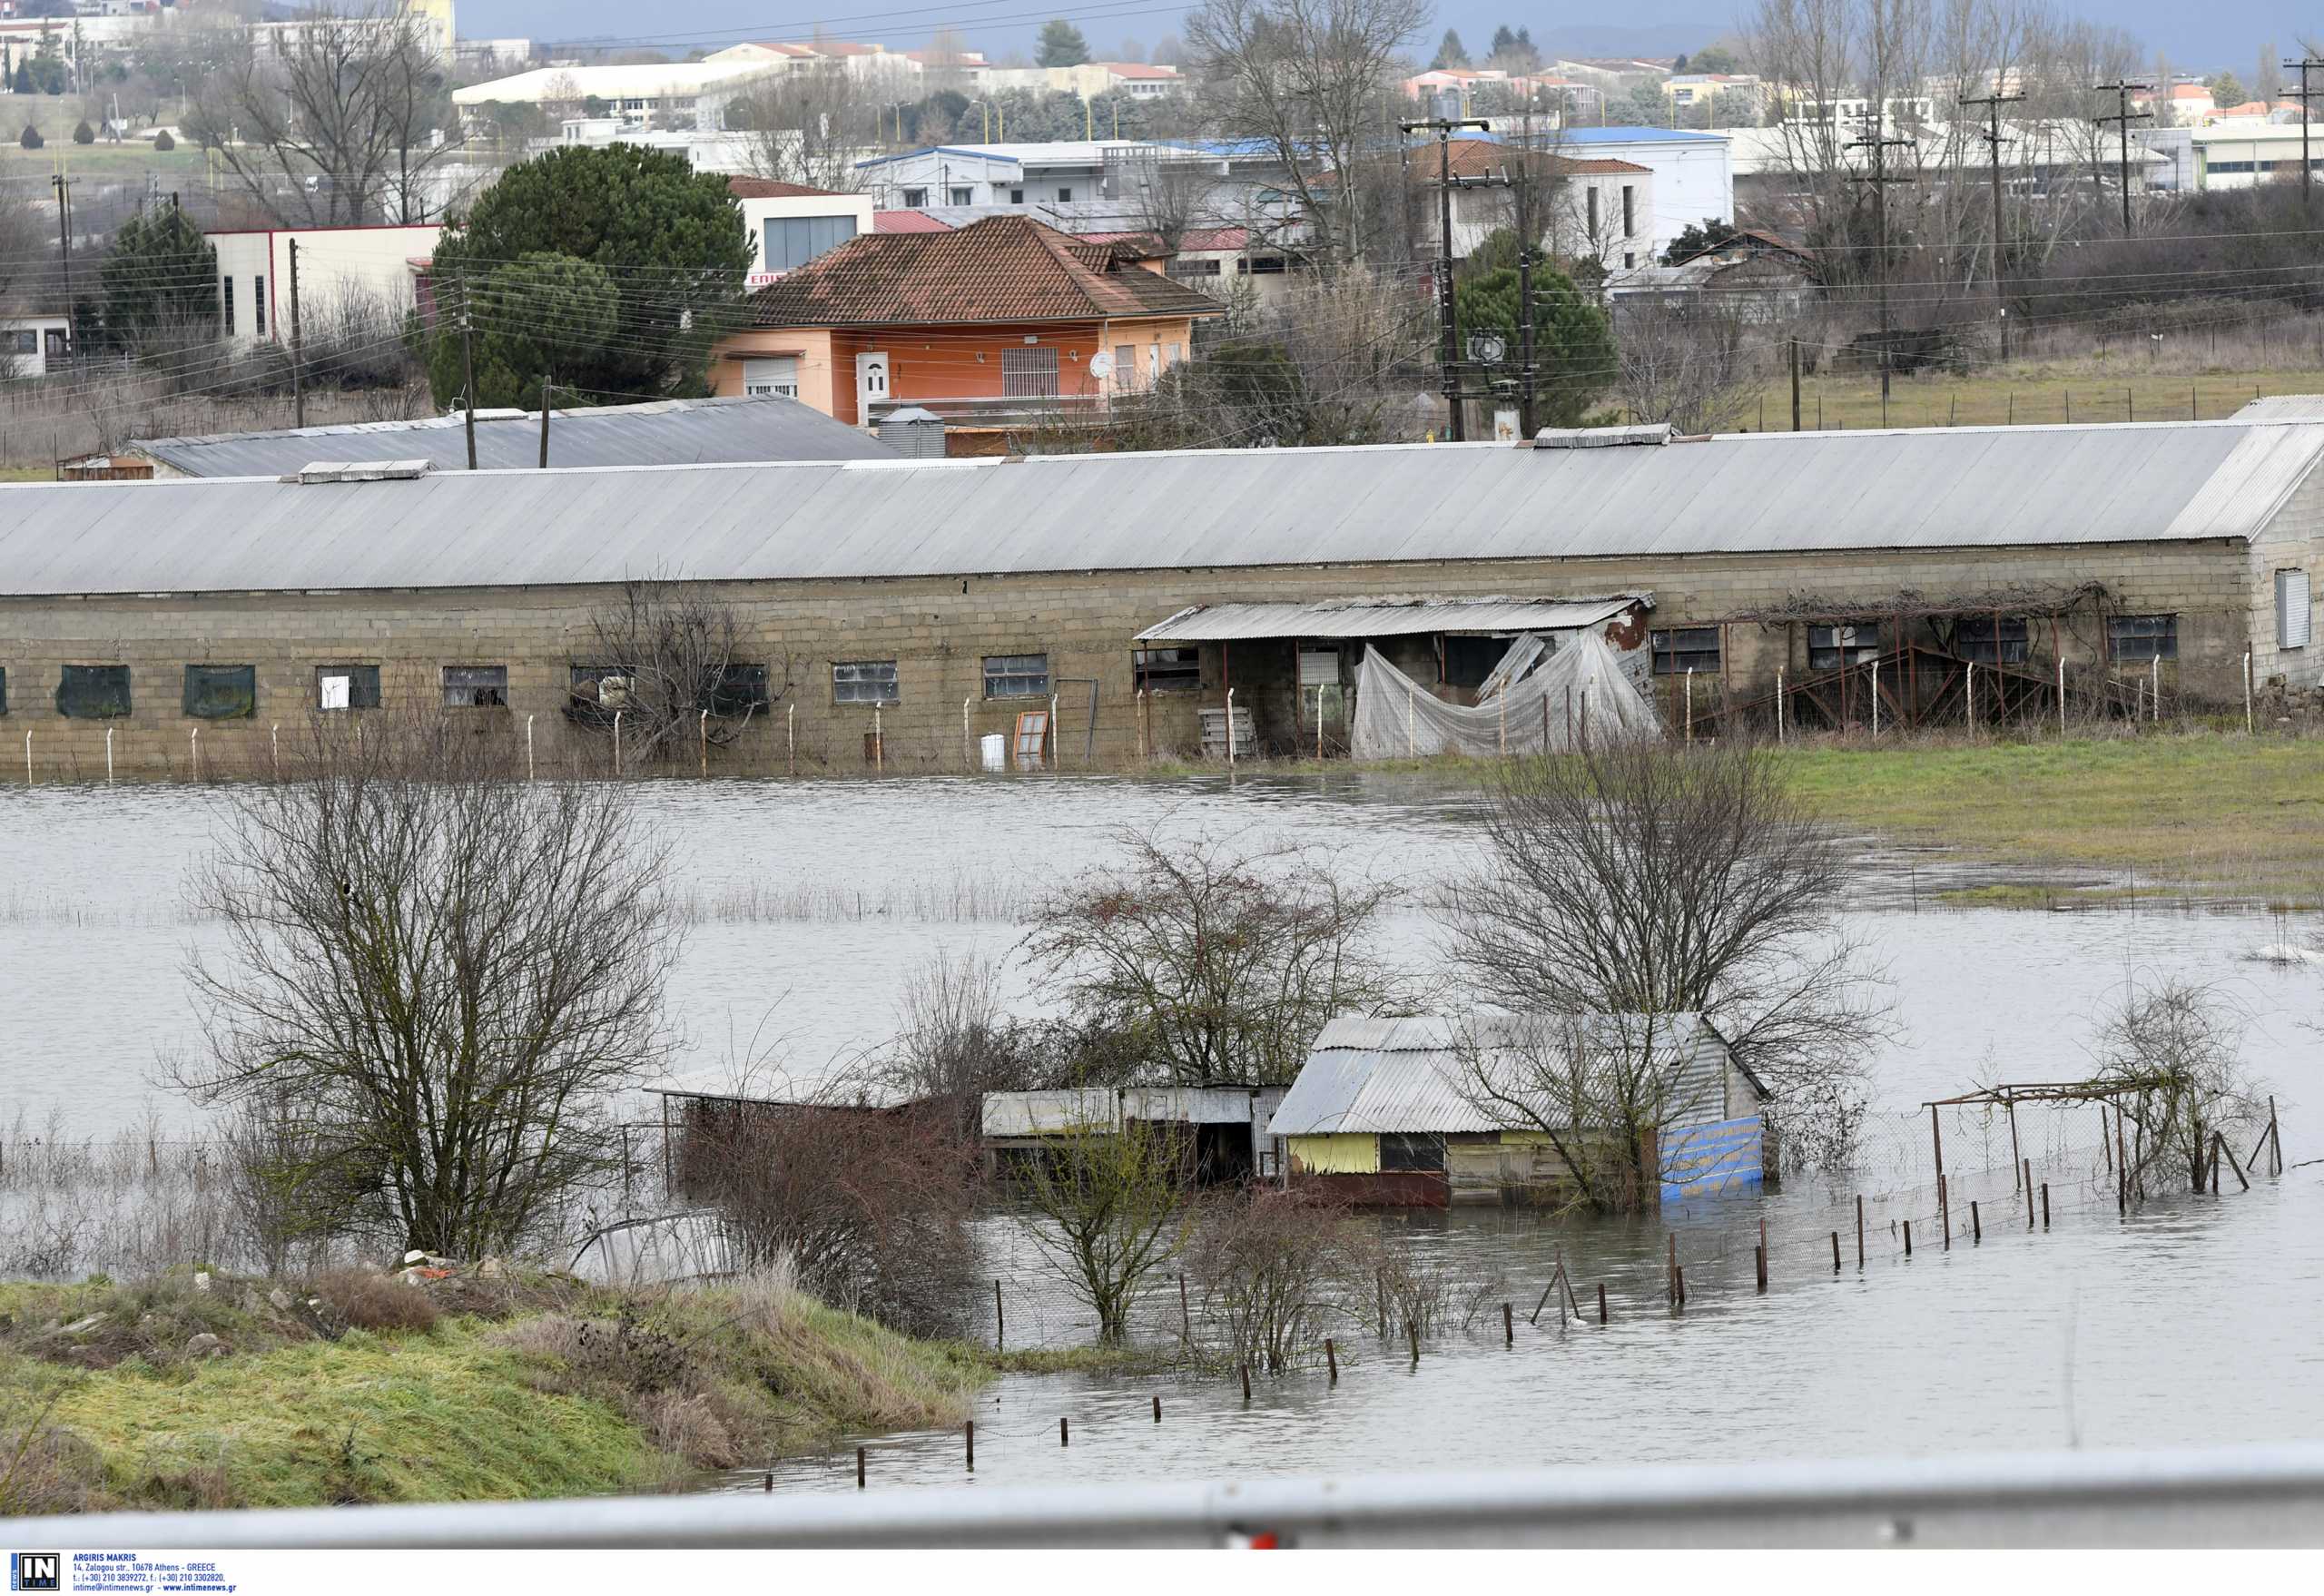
298, 348
544, 402
467, 373
1794, 384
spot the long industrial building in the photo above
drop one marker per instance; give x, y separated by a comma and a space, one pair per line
1830, 577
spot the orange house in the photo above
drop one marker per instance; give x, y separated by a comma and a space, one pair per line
999, 320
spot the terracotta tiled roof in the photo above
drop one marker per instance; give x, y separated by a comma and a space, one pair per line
768, 188
907, 222
1002, 269
1477, 157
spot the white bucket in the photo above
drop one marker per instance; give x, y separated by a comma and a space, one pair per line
994, 750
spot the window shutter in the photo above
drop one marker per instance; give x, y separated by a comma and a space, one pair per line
2291, 610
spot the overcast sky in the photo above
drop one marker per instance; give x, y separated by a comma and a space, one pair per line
2226, 33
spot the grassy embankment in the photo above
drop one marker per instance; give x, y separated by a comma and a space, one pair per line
2223, 815
471, 1390
2026, 395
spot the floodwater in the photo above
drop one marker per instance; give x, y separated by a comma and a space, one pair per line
2190, 1321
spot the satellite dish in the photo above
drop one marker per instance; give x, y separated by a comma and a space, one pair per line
1102, 364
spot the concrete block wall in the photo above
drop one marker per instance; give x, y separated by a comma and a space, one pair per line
939, 629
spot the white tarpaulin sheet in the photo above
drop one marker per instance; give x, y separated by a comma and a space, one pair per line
1585, 678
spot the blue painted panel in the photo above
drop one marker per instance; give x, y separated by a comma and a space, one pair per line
1711, 1160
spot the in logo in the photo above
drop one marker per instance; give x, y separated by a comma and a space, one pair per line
35, 1571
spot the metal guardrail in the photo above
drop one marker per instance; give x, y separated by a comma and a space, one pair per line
2270, 1495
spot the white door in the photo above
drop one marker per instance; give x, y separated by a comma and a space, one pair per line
870, 384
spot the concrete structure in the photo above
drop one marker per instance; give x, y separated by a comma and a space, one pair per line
342, 271
33, 343
1434, 1112
1089, 80
984, 588
791, 223
1693, 179
665, 432
661, 94
1582, 206
999, 174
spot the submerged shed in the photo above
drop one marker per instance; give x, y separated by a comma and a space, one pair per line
1395, 1112
1224, 1127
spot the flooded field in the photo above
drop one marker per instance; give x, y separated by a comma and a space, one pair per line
810, 905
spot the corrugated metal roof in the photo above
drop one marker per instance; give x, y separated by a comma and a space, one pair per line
1382, 618
2284, 406
1218, 509
667, 432
1374, 1077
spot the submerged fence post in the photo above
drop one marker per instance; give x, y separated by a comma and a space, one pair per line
1835, 1252
196, 741
1859, 1232
1976, 1227
791, 735
1411, 739
1000, 1324
1908, 1238
2247, 692
859, 1468
972, 1444
1230, 728
1331, 1361
969, 740
1779, 704
108, 756
2046, 1204
1601, 1302
532, 772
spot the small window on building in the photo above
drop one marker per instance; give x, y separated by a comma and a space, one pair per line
2291, 610
865, 681
484, 686
221, 692
1590, 206
1421, 1152
258, 306
1182, 267
1017, 675
771, 376
347, 686
740, 690
1029, 373
1629, 211
1125, 364
961, 196
1016, 196
227, 284
596, 693
1830, 647
60, 343
94, 691
3, 689
2137, 639
915, 198
1066, 195
1974, 637
1168, 670
1268, 266
27, 341
1684, 649
1468, 661
1629, 260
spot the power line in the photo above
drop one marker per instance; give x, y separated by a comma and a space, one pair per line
2122, 121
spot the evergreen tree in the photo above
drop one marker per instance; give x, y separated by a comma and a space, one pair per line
164, 142
545, 314
161, 275
30, 138
1573, 342
1503, 40
82, 134
668, 238
1450, 52
2227, 90
1061, 44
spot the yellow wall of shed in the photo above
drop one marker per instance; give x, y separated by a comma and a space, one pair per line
1335, 1155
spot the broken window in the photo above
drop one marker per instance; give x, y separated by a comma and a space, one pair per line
1017, 675
94, 691
1974, 638
1168, 670
482, 686
738, 690
221, 692
595, 693
865, 681
1849, 643
1685, 648
347, 686
1423, 1150
2137, 639
3, 689
1468, 661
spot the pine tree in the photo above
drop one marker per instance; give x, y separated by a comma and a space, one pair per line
1573, 343
82, 134
1061, 44
160, 274
30, 138
1503, 40
1451, 53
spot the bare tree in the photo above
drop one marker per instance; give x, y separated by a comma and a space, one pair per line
1633, 884
808, 125
955, 1043
441, 971
1312, 79
1107, 1204
1222, 960
668, 660
1174, 191
2171, 1053
1685, 361
340, 120
1273, 1272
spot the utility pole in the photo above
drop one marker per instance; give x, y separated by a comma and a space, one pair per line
1795, 383
298, 348
468, 371
2121, 118
545, 387
1442, 128
2306, 174
63, 186
1879, 179
1993, 105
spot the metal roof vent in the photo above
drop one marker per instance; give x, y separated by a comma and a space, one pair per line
913, 433
1601, 437
360, 471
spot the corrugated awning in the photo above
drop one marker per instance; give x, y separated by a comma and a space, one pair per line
1385, 618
